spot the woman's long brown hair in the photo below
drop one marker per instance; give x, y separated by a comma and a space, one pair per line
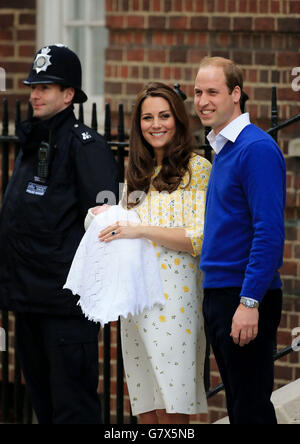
177, 153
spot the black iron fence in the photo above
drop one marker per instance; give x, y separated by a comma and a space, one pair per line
15, 403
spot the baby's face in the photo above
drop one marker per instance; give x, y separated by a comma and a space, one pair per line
102, 209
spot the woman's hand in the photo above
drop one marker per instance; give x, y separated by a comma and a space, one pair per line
120, 230
173, 238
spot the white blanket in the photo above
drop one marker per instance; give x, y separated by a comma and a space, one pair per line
116, 278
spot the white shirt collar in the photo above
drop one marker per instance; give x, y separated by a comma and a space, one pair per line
230, 132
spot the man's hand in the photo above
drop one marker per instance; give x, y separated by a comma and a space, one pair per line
244, 327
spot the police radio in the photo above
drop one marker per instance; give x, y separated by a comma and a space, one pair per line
44, 161
39, 185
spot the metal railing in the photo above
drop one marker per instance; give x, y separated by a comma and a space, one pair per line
15, 404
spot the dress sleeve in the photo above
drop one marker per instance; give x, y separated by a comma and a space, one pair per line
194, 205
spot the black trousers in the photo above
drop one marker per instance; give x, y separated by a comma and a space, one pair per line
247, 372
59, 360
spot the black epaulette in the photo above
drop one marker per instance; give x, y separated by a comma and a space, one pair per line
83, 133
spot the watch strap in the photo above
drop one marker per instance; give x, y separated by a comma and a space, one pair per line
249, 302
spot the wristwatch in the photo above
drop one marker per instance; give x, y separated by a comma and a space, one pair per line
250, 303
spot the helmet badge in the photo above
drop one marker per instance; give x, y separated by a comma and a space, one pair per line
42, 61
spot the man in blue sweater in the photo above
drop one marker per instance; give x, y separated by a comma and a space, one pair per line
243, 243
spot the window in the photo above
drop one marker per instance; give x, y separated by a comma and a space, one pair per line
79, 24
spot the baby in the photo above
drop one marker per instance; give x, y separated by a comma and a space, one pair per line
116, 278
94, 212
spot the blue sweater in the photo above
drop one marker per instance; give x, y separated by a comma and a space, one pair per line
244, 222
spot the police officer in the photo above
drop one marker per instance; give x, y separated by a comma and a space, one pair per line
61, 168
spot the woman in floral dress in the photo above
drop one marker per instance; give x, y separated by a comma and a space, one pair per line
166, 182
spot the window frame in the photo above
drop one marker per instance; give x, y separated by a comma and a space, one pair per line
56, 31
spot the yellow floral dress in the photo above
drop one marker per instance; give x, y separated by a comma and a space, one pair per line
164, 348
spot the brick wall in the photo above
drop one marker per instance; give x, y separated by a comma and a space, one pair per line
165, 40
17, 46
291, 268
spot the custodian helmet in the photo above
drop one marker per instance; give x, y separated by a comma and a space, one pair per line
59, 65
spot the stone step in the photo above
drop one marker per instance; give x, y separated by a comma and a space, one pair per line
286, 401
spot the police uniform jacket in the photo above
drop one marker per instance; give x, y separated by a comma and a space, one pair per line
41, 225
